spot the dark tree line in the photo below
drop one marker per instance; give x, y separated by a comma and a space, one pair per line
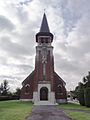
6, 94
82, 91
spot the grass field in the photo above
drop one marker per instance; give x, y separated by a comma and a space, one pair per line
15, 110
76, 112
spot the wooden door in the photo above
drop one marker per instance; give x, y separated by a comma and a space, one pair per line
44, 94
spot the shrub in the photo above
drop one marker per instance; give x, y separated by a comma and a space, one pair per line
4, 98
87, 96
80, 96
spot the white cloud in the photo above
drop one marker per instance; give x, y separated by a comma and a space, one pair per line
68, 21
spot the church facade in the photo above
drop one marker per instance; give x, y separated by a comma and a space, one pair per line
44, 85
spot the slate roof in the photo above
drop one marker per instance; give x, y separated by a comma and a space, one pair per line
59, 78
44, 25
29, 78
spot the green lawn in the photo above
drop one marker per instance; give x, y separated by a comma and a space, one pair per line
76, 111
14, 110
17, 110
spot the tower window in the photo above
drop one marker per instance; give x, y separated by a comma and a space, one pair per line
44, 39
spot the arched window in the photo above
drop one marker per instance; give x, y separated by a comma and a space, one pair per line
59, 85
59, 88
27, 87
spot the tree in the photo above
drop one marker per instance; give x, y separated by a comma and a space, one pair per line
80, 93
1, 88
4, 88
83, 91
87, 96
80, 85
18, 92
86, 80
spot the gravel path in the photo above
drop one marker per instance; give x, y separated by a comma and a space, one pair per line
47, 113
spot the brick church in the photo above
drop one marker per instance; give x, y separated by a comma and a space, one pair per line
44, 85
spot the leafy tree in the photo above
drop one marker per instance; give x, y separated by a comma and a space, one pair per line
80, 93
87, 96
4, 88
1, 88
80, 85
73, 94
83, 91
86, 80
18, 92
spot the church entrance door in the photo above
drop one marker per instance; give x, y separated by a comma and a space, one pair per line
44, 93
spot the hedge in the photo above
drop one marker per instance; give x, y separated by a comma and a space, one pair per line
80, 96
87, 96
4, 98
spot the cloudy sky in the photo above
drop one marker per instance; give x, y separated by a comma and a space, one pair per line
69, 21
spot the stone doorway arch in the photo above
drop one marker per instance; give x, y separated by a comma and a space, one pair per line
44, 94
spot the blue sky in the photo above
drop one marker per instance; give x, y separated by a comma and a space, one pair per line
69, 21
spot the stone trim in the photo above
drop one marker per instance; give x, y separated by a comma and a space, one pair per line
51, 95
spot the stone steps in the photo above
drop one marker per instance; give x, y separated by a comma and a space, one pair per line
44, 103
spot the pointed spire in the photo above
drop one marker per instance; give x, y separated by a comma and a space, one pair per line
44, 25
44, 30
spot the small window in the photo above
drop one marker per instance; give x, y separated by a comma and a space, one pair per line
59, 85
59, 88
27, 87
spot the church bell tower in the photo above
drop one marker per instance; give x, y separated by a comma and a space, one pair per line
44, 60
